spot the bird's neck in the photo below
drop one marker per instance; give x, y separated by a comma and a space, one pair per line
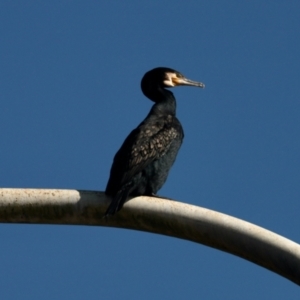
165, 102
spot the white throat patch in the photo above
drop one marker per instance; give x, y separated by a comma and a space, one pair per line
168, 81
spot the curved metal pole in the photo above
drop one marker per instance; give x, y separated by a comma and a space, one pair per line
156, 215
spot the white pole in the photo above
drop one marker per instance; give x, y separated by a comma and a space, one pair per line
157, 215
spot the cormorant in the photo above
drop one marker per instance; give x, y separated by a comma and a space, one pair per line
142, 164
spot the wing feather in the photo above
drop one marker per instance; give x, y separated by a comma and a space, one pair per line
148, 142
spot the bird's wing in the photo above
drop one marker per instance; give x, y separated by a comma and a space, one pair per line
151, 144
148, 142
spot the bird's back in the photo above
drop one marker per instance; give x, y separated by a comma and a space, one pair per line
143, 162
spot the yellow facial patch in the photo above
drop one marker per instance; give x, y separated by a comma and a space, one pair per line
172, 79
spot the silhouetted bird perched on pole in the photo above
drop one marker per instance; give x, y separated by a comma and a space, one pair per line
142, 164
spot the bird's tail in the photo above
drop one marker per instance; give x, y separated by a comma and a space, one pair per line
117, 202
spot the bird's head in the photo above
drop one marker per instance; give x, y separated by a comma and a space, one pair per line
167, 77
158, 78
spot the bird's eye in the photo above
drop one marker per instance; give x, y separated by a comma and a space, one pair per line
179, 75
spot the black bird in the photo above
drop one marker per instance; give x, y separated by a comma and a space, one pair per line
142, 164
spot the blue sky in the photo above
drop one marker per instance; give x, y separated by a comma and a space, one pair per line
70, 93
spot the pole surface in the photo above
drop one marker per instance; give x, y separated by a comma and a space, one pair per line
157, 215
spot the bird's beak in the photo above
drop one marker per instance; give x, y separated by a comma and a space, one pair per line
185, 81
